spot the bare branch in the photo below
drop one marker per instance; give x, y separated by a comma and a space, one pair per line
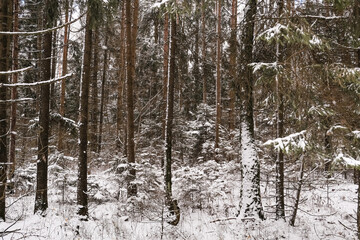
15, 71
36, 83
43, 31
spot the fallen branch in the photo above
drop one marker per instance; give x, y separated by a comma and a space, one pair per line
223, 219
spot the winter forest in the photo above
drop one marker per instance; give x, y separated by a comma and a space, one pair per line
179, 119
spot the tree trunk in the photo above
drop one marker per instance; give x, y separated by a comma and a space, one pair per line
12, 148
298, 191
94, 93
165, 72
174, 209
250, 203
64, 72
6, 9
130, 46
82, 198
122, 75
279, 162
53, 71
102, 95
218, 76
41, 201
233, 54
203, 35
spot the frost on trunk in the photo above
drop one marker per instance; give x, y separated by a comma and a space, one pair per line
250, 202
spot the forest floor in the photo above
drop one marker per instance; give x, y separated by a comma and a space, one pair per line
208, 196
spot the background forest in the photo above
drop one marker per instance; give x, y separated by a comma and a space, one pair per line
180, 119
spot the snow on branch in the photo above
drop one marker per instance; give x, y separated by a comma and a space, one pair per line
36, 83
347, 160
261, 65
17, 100
158, 4
43, 31
356, 134
292, 34
15, 71
292, 141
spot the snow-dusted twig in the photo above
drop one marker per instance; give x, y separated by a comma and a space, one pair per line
17, 100
43, 31
36, 83
223, 219
15, 71
349, 228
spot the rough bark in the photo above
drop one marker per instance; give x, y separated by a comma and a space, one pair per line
174, 209
94, 93
102, 100
250, 203
6, 7
279, 161
122, 75
12, 150
233, 54
82, 197
298, 191
64, 72
130, 42
218, 76
203, 36
165, 71
41, 201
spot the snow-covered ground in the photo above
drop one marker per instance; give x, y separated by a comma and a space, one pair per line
208, 196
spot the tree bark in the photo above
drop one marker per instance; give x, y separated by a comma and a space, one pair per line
250, 203
203, 35
64, 72
41, 201
12, 148
279, 161
298, 191
122, 75
5, 18
174, 210
233, 54
82, 197
130, 46
165, 73
102, 100
94, 93
218, 76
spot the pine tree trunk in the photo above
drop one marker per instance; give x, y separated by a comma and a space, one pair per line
102, 100
64, 72
174, 210
233, 68
6, 9
165, 73
82, 197
218, 76
122, 75
250, 203
279, 161
94, 93
12, 148
130, 46
41, 201
53, 71
298, 191
203, 35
